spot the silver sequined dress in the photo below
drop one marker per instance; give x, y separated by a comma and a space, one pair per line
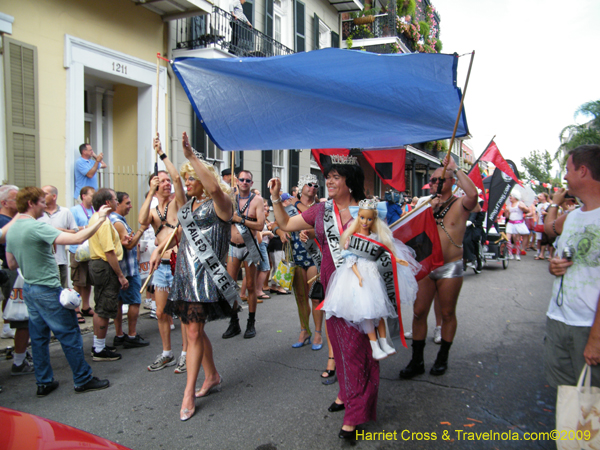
191, 283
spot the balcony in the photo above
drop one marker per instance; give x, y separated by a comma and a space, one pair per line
219, 30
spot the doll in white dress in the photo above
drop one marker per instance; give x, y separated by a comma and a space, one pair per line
357, 292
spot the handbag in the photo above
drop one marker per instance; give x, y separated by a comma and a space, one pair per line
316, 291
82, 254
15, 309
284, 275
539, 228
576, 414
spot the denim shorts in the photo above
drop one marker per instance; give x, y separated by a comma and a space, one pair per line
264, 263
163, 278
131, 295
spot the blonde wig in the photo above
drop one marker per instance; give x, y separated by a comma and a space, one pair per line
187, 169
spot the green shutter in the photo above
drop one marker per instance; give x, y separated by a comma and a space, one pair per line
294, 169
299, 27
335, 40
22, 116
316, 32
267, 170
269, 18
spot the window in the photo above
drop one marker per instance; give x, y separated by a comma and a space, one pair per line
22, 118
203, 144
324, 35
277, 28
278, 163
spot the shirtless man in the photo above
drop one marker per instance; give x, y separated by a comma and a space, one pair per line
163, 219
451, 214
249, 214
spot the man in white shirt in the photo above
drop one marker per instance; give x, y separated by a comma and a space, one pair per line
573, 324
62, 220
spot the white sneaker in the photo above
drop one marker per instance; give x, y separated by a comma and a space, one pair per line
518, 257
8, 334
383, 344
510, 255
437, 335
408, 335
153, 314
378, 354
147, 304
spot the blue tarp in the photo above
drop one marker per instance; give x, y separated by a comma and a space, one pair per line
328, 98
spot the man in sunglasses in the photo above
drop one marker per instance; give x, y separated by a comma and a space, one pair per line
248, 219
451, 214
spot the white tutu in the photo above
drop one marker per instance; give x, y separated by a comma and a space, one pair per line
407, 283
517, 228
359, 306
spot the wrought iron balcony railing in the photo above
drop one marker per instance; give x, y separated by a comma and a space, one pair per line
220, 30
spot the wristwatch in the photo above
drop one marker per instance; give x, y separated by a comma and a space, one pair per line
553, 205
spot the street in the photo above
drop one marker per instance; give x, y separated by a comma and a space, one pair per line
272, 394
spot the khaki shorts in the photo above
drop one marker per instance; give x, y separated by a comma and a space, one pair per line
80, 275
563, 354
106, 288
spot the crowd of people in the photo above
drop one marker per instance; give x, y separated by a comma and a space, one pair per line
197, 229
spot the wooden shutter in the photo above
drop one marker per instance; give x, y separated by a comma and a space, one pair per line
299, 27
198, 136
335, 40
269, 18
267, 170
294, 169
22, 115
316, 33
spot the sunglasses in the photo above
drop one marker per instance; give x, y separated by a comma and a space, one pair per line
313, 185
436, 179
245, 180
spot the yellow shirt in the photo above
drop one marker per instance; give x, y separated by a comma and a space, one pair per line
106, 239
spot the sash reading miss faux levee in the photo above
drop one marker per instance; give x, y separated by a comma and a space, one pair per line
204, 251
254, 256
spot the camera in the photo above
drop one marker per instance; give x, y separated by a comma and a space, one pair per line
568, 253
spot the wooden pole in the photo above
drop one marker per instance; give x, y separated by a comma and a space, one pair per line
156, 111
161, 255
460, 108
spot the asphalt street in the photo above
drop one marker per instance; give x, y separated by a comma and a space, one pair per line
272, 394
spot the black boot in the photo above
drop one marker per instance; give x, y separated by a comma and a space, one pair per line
415, 366
441, 362
250, 331
233, 329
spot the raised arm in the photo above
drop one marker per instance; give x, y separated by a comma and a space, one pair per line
469, 200
145, 217
175, 178
81, 236
286, 223
223, 205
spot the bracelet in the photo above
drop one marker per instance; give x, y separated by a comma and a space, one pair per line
275, 230
163, 156
455, 171
275, 201
553, 205
554, 228
243, 220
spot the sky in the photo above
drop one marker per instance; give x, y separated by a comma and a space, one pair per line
535, 63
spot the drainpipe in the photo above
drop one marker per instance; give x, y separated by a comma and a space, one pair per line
172, 99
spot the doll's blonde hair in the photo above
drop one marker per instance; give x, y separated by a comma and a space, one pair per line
187, 169
384, 234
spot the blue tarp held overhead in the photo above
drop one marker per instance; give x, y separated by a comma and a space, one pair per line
329, 98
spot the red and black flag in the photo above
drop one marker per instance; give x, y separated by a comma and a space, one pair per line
419, 232
323, 155
389, 165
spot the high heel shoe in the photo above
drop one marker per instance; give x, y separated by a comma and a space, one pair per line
347, 435
330, 378
186, 414
317, 346
302, 344
211, 390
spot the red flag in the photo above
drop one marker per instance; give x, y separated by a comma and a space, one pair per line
475, 176
323, 155
492, 154
389, 165
419, 232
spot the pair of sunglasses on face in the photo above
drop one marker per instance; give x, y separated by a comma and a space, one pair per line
245, 180
313, 185
436, 179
